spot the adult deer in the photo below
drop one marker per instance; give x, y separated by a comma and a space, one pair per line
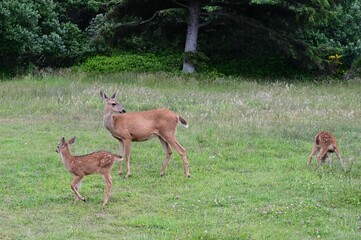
325, 142
80, 166
142, 126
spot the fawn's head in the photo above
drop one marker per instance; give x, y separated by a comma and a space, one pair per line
112, 105
63, 145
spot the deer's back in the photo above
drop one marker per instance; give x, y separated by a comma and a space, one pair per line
93, 162
325, 139
142, 125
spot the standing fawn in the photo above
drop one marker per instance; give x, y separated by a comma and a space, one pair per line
141, 126
80, 166
325, 142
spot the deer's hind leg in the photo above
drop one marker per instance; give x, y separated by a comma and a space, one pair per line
337, 152
182, 152
168, 153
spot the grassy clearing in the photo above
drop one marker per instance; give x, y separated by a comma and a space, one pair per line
247, 146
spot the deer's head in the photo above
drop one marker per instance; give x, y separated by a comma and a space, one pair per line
63, 145
112, 105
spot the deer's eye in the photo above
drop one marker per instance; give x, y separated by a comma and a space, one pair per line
114, 104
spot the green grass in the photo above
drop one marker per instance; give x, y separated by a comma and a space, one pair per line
247, 144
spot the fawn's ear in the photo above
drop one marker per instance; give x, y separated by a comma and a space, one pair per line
71, 141
62, 141
113, 95
103, 95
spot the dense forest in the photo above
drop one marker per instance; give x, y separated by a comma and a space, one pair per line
231, 37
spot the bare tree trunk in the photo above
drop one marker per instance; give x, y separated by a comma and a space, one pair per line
192, 34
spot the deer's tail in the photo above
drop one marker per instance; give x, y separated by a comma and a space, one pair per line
183, 121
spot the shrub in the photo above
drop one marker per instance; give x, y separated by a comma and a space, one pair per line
132, 62
32, 34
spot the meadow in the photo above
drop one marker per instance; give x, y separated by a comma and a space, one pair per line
247, 143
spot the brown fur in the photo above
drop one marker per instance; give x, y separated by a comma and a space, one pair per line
80, 166
142, 126
324, 143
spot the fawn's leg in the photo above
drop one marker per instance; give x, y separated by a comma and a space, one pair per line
77, 187
313, 152
108, 183
322, 155
75, 181
337, 152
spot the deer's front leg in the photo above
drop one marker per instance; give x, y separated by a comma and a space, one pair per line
121, 150
77, 187
322, 155
74, 183
127, 145
313, 152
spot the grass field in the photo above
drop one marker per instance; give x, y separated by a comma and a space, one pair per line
247, 145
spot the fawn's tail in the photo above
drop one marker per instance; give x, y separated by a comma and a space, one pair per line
118, 158
183, 121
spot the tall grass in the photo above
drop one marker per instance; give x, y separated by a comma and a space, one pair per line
247, 146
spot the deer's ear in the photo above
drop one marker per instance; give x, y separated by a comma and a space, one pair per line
62, 141
103, 95
71, 141
113, 96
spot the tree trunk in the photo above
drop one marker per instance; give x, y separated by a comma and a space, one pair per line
192, 35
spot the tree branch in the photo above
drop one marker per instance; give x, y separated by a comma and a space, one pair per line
133, 24
203, 24
180, 4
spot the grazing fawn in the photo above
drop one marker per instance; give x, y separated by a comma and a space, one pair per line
325, 142
141, 126
80, 166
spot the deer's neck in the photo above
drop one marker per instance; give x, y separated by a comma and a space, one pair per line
67, 159
108, 120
